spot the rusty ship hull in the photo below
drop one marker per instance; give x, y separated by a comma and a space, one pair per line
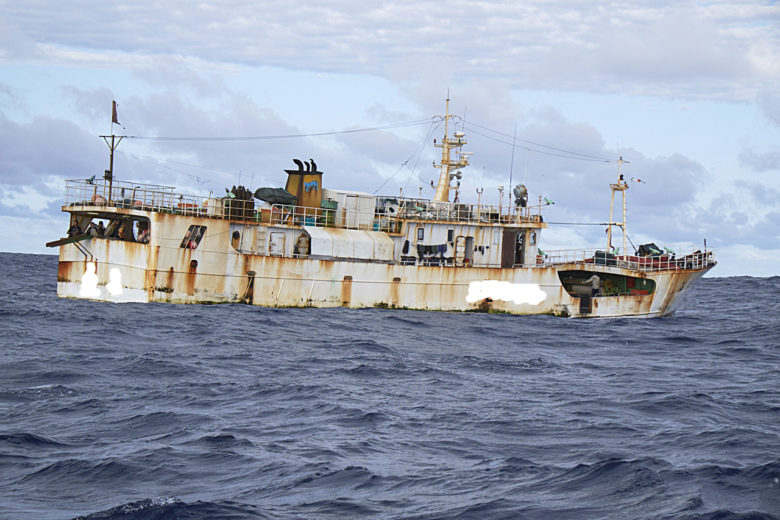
222, 270
311, 246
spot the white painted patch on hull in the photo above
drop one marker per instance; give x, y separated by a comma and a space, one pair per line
114, 286
101, 293
89, 281
518, 293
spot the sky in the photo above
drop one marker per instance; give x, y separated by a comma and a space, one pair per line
548, 92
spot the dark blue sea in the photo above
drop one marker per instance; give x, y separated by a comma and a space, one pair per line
155, 411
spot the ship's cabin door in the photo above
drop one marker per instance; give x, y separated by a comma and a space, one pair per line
464, 251
351, 205
276, 244
513, 248
239, 236
508, 247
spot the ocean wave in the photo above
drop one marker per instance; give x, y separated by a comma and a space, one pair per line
163, 508
245, 412
222, 441
25, 440
86, 471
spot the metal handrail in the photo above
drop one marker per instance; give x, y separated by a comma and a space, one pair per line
689, 259
422, 209
385, 215
146, 197
382, 218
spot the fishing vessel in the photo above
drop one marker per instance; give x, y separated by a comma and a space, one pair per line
311, 246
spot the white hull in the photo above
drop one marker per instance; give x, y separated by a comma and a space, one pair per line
154, 273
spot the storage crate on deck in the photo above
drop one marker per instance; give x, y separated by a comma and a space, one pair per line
331, 206
355, 209
237, 209
604, 258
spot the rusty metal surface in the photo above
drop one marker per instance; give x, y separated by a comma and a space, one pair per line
211, 277
217, 271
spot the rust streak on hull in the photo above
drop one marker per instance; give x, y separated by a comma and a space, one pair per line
329, 283
346, 291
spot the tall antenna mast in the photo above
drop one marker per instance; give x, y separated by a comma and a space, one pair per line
512, 163
620, 186
448, 164
109, 174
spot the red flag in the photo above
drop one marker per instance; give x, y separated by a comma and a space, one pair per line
114, 119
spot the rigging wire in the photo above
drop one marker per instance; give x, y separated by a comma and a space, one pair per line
578, 223
166, 164
594, 224
431, 131
154, 160
549, 150
570, 153
540, 144
286, 136
434, 124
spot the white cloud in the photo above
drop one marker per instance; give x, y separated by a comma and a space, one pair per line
713, 50
769, 102
761, 161
207, 69
737, 259
45, 147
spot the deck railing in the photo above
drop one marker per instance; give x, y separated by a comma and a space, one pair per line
385, 215
147, 197
687, 259
388, 217
422, 209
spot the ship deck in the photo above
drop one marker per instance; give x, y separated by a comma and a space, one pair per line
88, 194
98, 196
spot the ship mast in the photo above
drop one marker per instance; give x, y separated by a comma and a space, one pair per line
109, 174
449, 167
620, 186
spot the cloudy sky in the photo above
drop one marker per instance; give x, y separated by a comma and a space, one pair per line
687, 92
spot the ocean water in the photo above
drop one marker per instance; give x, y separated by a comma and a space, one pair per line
154, 411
